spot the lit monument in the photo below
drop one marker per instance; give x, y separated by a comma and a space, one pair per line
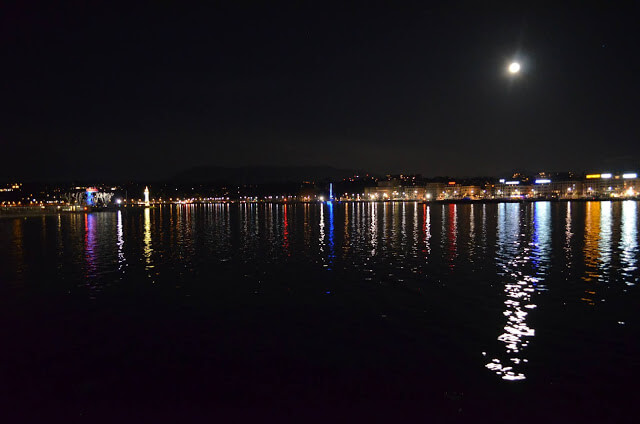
146, 196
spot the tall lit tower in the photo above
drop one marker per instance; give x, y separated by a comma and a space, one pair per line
146, 196
330, 191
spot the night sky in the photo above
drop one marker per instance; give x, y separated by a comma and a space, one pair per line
146, 92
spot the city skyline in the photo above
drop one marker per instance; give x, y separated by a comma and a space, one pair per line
359, 188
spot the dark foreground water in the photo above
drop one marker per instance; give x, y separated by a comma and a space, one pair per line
502, 312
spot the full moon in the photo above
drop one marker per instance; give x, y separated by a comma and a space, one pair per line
514, 68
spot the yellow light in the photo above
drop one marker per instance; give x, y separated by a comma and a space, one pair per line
591, 176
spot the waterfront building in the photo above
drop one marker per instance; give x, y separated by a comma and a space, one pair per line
548, 189
393, 189
452, 190
506, 189
611, 185
434, 191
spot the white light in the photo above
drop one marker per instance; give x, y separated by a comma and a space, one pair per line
543, 181
630, 175
514, 67
605, 176
502, 180
512, 182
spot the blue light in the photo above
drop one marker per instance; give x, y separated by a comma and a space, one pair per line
330, 243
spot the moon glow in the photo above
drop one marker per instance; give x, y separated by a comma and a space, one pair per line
514, 67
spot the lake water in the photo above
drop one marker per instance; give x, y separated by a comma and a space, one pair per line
403, 310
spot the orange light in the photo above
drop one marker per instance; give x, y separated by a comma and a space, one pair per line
452, 182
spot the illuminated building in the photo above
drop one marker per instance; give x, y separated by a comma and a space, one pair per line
393, 190
609, 184
90, 199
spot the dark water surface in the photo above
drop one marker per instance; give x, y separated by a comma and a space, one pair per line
510, 312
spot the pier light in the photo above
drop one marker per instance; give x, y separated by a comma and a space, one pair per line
630, 175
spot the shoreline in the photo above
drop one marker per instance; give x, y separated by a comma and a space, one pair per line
26, 211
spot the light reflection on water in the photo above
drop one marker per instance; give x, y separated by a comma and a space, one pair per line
429, 250
591, 237
629, 241
90, 244
426, 230
524, 259
452, 234
604, 242
330, 243
568, 237
120, 237
148, 249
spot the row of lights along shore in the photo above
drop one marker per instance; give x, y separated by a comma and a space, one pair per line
604, 185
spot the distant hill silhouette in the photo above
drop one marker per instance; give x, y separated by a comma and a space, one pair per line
262, 174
